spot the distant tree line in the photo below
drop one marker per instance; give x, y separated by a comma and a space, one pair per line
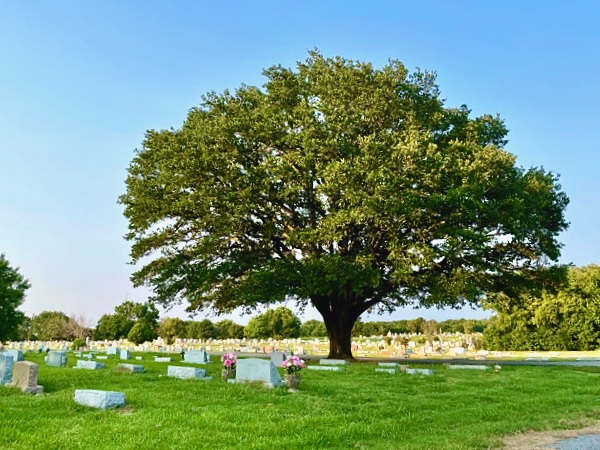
564, 319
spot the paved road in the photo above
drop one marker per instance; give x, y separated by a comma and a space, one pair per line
587, 442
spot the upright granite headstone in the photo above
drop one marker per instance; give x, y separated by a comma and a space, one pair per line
16, 354
25, 374
99, 399
196, 357
111, 350
124, 355
277, 358
6, 365
56, 359
255, 369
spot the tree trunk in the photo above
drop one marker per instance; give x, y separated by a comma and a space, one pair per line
339, 330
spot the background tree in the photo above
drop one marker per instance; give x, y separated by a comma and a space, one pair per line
228, 329
171, 328
12, 294
340, 185
141, 333
566, 319
119, 324
278, 323
431, 327
50, 325
203, 329
313, 328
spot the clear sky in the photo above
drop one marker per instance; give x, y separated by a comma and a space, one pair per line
80, 82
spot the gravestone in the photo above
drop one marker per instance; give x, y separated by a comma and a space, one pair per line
384, 370
388, 364
333, 362
419, 371
99, 399
133, 368
56, 359
139, 358
468, 366
256, 369
326, 368
124, 355
196, 357
25, 374
277, 358
89, 365
112, 350
6, 365
162, 359
16, 354
102, 357
187, 373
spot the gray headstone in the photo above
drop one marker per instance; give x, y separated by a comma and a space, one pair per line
186, 372
25, 374
56, 359
419, 371
6, 365
16, 354
255, 369
134, 368
89, 365
333, 362
111, 350
196, 357
277, 358
388, 364
162, 359
326, 368
468, 366
124, 355
383, 370
99, 399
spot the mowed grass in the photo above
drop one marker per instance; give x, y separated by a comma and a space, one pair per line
356, 409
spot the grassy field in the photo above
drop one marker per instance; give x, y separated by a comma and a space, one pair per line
356, 409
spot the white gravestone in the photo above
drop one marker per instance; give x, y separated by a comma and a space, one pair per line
6, 365
56, 359
187, 373
468, 366
333, 362
99, 399
16, 354
112, 350
89, 365
256, 369
133, 368
124, 355
196, 357
326, 368
162, 359
384, 370
419, 371
277, 358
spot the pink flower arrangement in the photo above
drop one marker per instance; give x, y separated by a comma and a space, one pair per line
228, 360
293, 364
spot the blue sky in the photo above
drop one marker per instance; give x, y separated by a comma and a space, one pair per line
80, 82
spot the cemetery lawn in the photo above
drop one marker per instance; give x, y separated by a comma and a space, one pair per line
355, 409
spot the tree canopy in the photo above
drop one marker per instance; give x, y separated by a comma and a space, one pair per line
12, 294
566, 319
278, 323
343, 186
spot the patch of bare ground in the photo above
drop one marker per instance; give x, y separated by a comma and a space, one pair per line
537, 440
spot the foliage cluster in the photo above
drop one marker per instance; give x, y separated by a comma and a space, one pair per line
12, 293
564, 319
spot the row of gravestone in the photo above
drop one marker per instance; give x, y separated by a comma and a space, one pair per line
20, 374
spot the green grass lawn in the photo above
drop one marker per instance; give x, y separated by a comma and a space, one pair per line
356, 409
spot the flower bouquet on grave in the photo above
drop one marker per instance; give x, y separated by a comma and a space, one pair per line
292, 367
228, 360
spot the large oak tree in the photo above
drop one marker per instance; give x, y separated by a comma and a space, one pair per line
343, 186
